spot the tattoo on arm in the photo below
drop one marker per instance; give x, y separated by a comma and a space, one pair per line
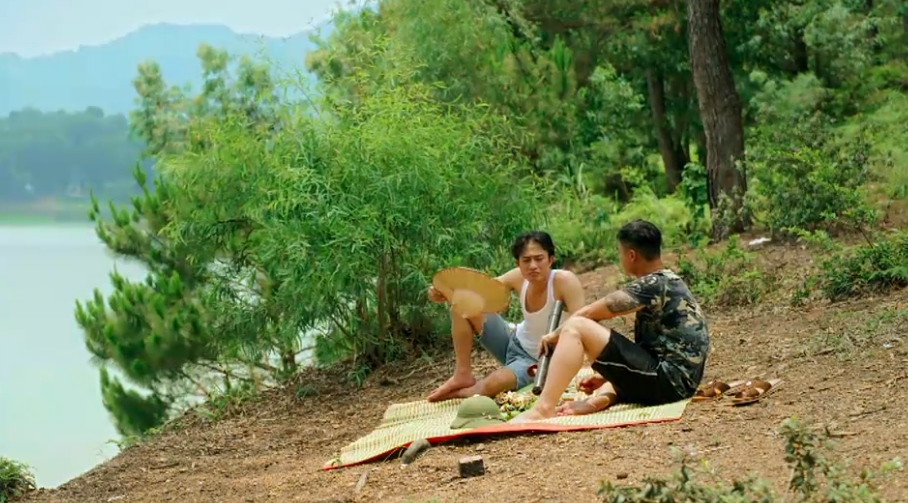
620, 302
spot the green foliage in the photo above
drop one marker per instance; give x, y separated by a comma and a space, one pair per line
586, 227
16, 479
694, 191
727, 278
815, 478
807, 188
583, 228
805, 176
569, 110
352, 212
173, 334
884, 125
877, 266
134, 414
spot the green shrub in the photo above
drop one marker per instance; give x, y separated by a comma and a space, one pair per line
884, 123
803, 172
812, 187
586, 227
16, 479
874, 267
694, 191
347, 216
671, 214
729, 277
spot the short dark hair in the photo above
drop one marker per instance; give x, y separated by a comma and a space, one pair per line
541, 238
643, 237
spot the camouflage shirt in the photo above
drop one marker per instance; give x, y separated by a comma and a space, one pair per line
671, 327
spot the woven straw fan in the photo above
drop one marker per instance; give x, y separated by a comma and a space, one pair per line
471, 292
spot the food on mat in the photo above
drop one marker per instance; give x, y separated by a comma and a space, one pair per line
513, 403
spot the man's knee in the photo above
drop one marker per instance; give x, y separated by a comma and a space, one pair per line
474, 322
589, 332
503, 379
583, 326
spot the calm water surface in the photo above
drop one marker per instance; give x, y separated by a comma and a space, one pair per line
51, 416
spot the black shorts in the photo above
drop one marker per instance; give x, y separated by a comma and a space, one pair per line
634, 372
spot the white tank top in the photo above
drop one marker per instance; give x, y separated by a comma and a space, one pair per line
535, 325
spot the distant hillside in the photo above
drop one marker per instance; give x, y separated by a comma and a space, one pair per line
101, 76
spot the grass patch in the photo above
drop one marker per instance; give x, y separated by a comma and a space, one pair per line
889, 154
845, 337
815, 477
878, 266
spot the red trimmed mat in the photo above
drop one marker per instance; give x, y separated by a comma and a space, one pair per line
406, 422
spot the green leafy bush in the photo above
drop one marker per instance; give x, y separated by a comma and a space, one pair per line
812, 187
884, 124
583, 230
875, 267
727, 278
586, 228
16, 479
804, 174
350, 209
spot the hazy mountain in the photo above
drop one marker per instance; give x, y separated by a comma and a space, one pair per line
102, 75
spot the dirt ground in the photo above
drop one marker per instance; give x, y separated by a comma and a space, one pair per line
273, 449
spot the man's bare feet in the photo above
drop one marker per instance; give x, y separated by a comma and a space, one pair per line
534, 415
451, 387
576, 408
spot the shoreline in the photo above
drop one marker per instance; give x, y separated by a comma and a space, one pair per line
43, 219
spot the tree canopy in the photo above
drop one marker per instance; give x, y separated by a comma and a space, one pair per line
59, 154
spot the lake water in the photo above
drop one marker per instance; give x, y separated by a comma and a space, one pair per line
51, 415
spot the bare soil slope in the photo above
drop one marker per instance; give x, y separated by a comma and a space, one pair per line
843, 365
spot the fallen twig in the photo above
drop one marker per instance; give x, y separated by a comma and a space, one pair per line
840, 434
362, 481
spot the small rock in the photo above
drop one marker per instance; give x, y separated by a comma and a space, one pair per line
472, 466
621, 476
413, 452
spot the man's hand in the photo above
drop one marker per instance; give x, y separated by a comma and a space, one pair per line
548, 342
591, 383
435, 295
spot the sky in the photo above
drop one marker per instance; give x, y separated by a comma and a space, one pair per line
35, 27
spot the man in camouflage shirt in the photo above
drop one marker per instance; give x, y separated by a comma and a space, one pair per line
665, 361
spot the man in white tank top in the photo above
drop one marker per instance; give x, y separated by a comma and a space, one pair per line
539, 287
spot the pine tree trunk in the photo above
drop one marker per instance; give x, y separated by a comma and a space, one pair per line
720, 110
673, 156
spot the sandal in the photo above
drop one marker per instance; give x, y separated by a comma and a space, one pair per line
714, 390
755, 390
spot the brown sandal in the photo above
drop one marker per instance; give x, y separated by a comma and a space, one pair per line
714, 390
755, 390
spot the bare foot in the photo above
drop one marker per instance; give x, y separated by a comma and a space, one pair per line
475, 389
449, 389
534, 415
577, 408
